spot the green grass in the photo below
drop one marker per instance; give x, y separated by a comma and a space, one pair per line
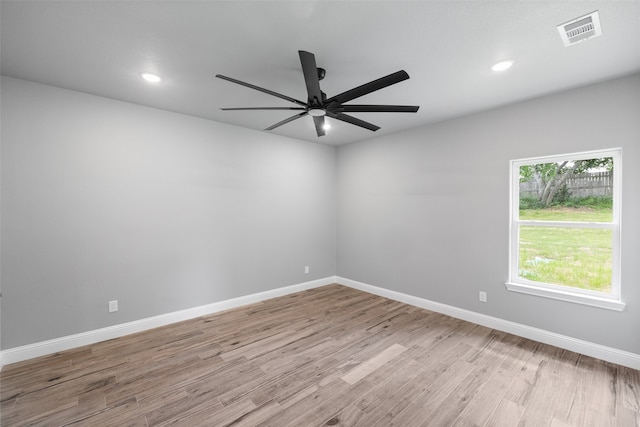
575, 257
568, 214
603, 202
589, 202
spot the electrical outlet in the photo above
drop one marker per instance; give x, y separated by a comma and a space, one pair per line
306, 269
483, 296
113, 306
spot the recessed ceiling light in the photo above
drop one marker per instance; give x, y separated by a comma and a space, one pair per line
326, 126
152, 78
503, 65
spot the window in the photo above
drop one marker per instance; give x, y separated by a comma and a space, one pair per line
565, 228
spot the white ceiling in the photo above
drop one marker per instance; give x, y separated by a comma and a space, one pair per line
446, 47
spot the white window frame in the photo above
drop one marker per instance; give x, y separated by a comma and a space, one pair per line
613, 300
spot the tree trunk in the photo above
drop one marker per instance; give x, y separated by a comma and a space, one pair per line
555, 184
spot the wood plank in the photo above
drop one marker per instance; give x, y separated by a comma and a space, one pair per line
628, 390
485, 365
180, 408
482, 406
361, 371
507, 413
213, 415
258, 415
324, 399
121, 413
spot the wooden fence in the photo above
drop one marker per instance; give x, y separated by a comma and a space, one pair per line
597, 184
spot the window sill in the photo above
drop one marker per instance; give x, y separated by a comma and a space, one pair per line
594, 301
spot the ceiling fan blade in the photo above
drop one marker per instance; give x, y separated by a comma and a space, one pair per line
310, 70
264, 108
258, 88
319, 122
285, 121
376, 108
353, 120
366, 88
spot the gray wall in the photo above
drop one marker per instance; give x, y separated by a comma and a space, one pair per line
401, 228
107, 200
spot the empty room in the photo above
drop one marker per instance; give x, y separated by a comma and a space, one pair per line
320, 213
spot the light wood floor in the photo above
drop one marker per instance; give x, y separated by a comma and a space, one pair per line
330, 356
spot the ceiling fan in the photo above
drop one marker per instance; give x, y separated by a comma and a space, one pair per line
318, 105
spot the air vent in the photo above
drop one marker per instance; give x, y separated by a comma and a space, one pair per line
580, 29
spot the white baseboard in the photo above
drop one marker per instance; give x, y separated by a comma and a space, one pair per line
44, 348
598, 351
19, 354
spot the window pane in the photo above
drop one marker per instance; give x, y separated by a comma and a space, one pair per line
568, 190
575, 257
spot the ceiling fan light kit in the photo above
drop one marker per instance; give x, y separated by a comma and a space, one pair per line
318, 105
